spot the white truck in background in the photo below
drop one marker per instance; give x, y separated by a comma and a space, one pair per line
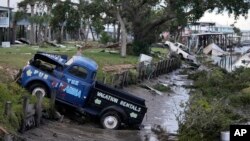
180, 49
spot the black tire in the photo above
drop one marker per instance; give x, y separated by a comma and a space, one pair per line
110, 120
166, 46
181, 56
38, 87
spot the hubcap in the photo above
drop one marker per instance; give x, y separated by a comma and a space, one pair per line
38, 91
110, 122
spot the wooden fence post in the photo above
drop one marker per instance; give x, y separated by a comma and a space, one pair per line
52, 102
168, 64
139, 70
7, 137
39, 108
165, 66
104, 79
125, 79
8, 108
162, 66
25, 112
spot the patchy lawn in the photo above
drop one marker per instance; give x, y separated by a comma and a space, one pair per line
15, 57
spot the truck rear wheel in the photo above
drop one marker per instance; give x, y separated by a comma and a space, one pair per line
110, 120
38, 88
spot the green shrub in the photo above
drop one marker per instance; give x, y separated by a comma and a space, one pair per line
218, 102
240, 100
162, 88
204, 119
14, 93
140, 47
105, 38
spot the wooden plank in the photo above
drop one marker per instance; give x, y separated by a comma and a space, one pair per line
39, 108
8, 108
25, 112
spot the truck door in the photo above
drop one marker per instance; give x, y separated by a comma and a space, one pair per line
74, 87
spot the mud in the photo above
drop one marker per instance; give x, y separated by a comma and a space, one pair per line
162, 111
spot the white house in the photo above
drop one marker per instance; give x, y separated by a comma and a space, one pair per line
4, 17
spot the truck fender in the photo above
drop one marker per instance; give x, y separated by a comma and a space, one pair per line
117, 109
27, 84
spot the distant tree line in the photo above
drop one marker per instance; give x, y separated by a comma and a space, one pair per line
144, 20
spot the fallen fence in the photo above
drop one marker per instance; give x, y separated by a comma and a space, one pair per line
140, 72
31, 113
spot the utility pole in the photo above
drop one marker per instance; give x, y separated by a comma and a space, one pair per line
8, 5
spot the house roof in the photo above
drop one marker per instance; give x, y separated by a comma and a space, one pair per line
3, 7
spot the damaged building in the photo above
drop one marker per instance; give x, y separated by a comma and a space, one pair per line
5, 24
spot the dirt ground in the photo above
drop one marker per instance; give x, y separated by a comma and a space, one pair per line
162, 110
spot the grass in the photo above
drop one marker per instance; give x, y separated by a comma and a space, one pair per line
17, 57
159, 49
14, 93
162, 88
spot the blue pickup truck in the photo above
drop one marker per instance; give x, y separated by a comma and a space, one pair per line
75, 85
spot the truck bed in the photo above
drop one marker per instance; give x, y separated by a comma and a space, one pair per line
103, 96
117, 92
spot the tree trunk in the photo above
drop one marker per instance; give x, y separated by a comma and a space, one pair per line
114, 31
118, 32
93, 36
32, 29
124, 35
14, 32
61, 35
47, 31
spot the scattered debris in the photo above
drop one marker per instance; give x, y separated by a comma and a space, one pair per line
52, 43
115, 45
117, 68
3, 131
162, 87
77, 45
214, 50
18, 42
24, 41
243, 61
152, 90
145, 58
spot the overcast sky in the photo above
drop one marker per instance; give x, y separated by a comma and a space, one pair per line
226, 20
220, 19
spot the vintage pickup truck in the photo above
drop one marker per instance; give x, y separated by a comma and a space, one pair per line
75, 85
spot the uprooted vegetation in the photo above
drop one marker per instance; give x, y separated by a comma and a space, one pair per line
162, 88
220, 99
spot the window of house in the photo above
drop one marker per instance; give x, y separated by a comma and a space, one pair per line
78, 72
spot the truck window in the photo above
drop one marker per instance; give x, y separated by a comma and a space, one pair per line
78, 72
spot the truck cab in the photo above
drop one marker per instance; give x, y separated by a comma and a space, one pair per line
71, 79
74, 82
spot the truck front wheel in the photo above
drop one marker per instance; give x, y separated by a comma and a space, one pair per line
111, 120
38, 88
